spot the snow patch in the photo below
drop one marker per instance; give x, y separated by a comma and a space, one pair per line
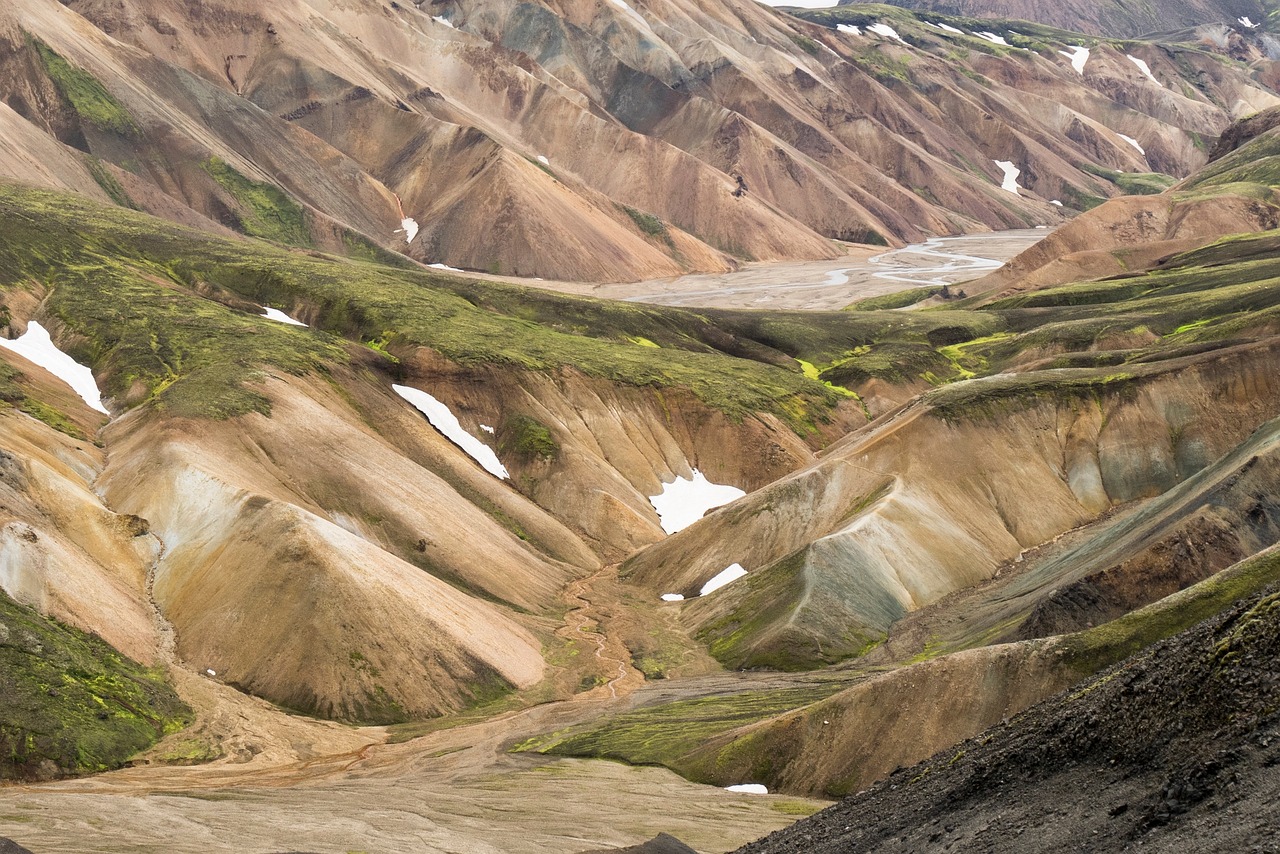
409, 226
1134, 143
211, 672
1055, 202
280, 317
446, 422
993, 38
672, 597
37, 347
445, 21
1079, 55
732, 572
848, 28
542, 158
1011, 174
684, 502
748, 789
486, 428
884, 31
438, 266
1144, 68
947, 27
635, 16
1247, 21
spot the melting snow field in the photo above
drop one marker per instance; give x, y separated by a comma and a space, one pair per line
1144, 68
410, 227
1134, 143
1248, 22
732, 572
446, 422
947, 27
444, 21
280, 317
439, 266
993, 38
672, 597
748, 789
848, 29
542, 158
884, 31
684, 502
1011, 174
1078, 56
37, 347
1055, 203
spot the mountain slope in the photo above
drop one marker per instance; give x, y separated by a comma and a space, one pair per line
331, 125
1106, 17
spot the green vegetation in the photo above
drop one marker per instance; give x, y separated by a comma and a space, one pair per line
264, 209
108, 183
805, 43
92, 102
72, 704
661, 735
1092, 650
897, 299
648, 223
13, 394
1133, 183
526, 438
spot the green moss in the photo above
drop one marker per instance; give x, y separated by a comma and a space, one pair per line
92, 102
647, 222
662, 735
805, 43
898, 299
13, 393
72, 700
107, 181
264, 209
526, 438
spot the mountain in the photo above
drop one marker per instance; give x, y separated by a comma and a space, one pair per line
1111, 18
332, 126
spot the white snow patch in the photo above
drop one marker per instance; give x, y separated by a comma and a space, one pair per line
1011, 174
672, 597
212, 672
1078, 55
446, 422
732, 572
949, 28
445, 21
635, 16
1144, 68
486, 428
1134, 143
37, 347
993, 38
410, 228
542, 158
1055, 202
884, 31
748, 789
684, 502
848, 28
1248, 22
438, 266
280, 317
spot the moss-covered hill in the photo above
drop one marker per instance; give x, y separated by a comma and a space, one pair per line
71, 703
167, 316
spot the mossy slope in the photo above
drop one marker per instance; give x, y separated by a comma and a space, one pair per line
73, 704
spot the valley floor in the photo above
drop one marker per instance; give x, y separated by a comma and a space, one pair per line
863, 272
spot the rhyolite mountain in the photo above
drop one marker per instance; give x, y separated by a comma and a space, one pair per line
1112, 18
597, 141
955, 509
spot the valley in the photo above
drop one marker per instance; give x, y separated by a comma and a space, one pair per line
521, 427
